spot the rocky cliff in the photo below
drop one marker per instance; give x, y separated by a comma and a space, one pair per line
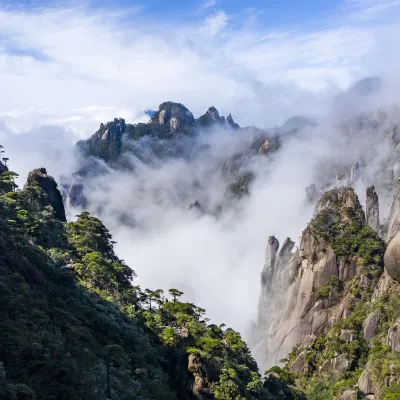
305, 292
170, 121
330, 309
53, 197
172, 133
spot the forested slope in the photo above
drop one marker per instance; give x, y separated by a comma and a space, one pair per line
73, 326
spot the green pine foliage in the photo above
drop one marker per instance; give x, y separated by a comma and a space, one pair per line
75, 327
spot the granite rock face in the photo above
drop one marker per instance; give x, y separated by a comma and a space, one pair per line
48, 184
393, 224
372, 209
370, 326
392, 258
202, 374
106, 143
174, 117
365, 382
349, 395
292, 306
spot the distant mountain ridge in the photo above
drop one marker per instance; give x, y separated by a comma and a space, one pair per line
171, 120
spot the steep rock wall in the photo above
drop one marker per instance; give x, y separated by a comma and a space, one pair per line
303, 293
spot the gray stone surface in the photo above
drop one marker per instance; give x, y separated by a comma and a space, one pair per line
392, 258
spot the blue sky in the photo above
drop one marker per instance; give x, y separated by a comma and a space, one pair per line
273, 13
263, 61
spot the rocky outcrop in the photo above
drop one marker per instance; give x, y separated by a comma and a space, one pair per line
347, 336
306, 292
300, 365
372, 209
394, 217
270, 257
337, 365
201, 377
48, 184
231, 122
365, 382
170, 120
212, 118
386, 284
349, 395
392, 258
213, 113
106, 143
370, 326
174, 118
393, 337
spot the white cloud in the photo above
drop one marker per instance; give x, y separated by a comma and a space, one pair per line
210, 4
215, 23
94, 59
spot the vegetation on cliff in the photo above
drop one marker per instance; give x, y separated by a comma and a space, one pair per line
356, 354
74, 326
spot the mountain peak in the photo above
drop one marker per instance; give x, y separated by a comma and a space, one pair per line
173, 116
213, 113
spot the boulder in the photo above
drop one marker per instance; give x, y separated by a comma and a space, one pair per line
365, 382
370, 326
340, 364
349, 395
347, 336
392, 258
